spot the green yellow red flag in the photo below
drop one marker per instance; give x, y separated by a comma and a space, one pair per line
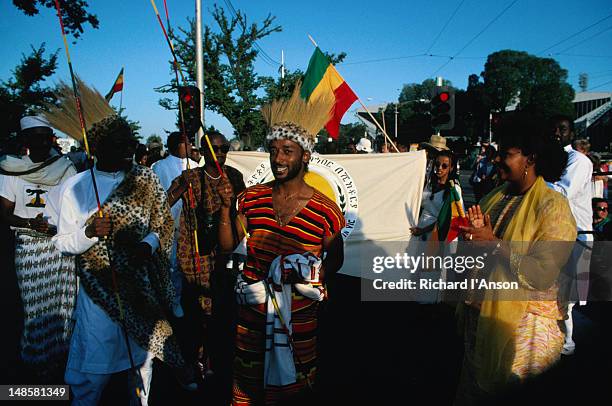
323, 78
117, 86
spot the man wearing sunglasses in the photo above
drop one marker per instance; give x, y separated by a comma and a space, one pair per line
202, 287
602, 224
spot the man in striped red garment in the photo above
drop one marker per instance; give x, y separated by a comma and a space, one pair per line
280, 218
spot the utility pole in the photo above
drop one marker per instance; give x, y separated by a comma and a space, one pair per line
282, 64
199, 69
439, 82
396, 121
490, 127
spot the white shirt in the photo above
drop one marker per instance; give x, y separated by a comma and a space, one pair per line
98, 344
167, 170
575, 185
32, 199
430, 208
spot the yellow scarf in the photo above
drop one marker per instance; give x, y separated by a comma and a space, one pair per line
543, 215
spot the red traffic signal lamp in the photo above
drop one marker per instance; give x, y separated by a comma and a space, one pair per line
442, 108
189, 109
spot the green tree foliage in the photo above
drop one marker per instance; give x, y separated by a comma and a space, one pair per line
231, 84
472, 109
413, 112
134, 125
536, 85
24, 93
424, 90
74, 13
281, 88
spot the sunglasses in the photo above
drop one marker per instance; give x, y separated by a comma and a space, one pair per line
221, 148
601, 209
441, 165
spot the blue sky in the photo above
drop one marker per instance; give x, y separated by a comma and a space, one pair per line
129, 36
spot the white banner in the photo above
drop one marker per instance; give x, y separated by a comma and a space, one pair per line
379, 194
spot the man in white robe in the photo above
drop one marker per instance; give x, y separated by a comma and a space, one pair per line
46, 279
99, 346
167, 170
575, 185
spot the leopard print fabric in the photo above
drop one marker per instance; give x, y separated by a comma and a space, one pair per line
136, 207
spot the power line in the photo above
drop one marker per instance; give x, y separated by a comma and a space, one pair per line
396, 58
476, 36
264, 56
444, 27
393, 58
575, 34
603, 84
594, 73
587, 56
267, 58
585, 40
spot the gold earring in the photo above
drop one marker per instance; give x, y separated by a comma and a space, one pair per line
525, 173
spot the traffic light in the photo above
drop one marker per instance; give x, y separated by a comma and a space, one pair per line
442, 108
189, 98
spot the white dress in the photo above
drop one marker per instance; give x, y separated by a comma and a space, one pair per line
430, 208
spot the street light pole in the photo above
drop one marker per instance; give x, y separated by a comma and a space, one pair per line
396, 121
199, 69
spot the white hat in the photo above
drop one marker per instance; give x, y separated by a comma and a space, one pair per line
364, 145
33, 121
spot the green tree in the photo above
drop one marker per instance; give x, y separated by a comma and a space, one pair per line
536, 85
280, 88
74, 13
472, 109
413, 112
424, 90
231, 82
134, 125
24, 93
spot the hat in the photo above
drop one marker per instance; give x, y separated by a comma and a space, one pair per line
33, 121
296, 119
364, 145
436, 141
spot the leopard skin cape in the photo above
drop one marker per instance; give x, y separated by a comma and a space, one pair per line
137, 207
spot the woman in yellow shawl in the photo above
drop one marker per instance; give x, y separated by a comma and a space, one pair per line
508, 339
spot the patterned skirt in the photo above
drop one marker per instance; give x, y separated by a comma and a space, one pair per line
538, 341
248, 387
48, 286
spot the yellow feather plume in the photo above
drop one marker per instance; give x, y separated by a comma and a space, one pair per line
311, 115
64, 115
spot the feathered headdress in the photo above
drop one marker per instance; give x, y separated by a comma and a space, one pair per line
63, 115
296, 119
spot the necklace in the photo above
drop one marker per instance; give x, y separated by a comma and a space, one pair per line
210, 176
289, 196
288, 217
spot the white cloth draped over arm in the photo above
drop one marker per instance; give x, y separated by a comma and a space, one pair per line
78, 204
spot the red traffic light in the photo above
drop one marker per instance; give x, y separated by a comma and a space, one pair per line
443, 97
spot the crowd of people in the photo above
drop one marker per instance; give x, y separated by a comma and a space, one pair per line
130, 257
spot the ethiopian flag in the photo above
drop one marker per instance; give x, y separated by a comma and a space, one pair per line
451, 216
321, 78
117, 86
